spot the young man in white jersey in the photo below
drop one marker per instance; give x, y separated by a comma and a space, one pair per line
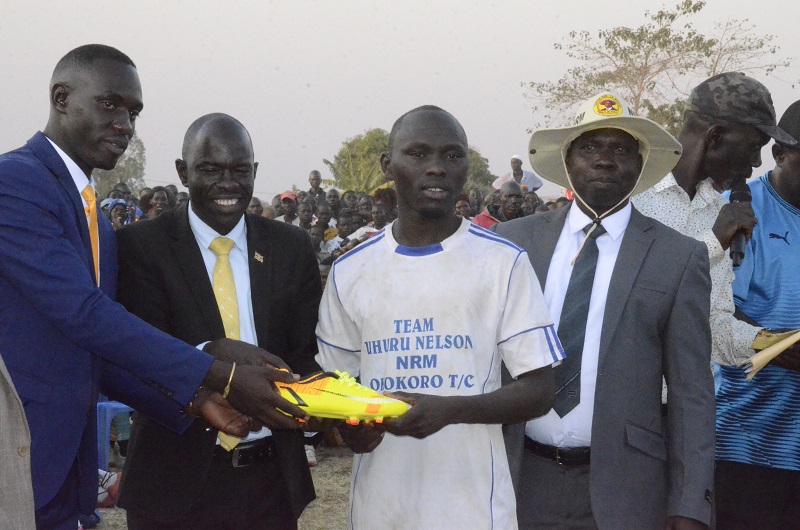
442, 464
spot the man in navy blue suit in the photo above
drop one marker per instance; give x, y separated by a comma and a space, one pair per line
62, 336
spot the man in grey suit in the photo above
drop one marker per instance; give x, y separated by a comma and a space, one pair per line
630, 298
16, 489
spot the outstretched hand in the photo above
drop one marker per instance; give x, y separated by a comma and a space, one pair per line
242, 353
218, 413
253, 393
427, 415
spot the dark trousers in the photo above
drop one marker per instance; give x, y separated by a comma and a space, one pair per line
253, 497
61, 513
551, 496
755, 497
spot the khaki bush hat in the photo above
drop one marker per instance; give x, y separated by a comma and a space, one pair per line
659, 149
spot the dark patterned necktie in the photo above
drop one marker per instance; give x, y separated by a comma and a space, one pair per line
572, 325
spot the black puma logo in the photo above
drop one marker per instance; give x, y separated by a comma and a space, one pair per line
785, 237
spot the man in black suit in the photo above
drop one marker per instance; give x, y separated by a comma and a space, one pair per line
171, 277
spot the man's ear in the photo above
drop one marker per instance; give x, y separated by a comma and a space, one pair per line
180, 166
255, 169
778, 153
386, 166
715, 136
58, 97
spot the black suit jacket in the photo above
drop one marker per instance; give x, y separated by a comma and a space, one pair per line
164, 281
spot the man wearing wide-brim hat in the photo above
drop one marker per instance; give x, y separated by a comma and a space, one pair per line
630, 299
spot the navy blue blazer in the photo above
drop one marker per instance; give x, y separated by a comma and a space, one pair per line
64, 339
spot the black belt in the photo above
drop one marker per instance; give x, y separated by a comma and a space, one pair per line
564, 456
247, 453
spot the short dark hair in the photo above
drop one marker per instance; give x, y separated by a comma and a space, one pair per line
423, 108
84, 56
198, 124
345, 212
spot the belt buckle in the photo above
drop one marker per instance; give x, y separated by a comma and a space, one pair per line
559, 458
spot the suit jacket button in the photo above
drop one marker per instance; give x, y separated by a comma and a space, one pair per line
23, 451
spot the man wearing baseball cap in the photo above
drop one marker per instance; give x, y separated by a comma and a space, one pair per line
758, 447
629, 297
728, 119
289, 206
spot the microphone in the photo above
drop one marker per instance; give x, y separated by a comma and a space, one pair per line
740, 192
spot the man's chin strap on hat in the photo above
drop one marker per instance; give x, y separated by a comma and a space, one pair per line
598, 218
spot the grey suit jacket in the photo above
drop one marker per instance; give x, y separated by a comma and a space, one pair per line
645, 467
16, 490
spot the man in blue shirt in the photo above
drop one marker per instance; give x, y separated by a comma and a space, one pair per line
758, 421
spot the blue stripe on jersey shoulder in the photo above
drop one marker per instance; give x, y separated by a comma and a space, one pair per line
491, 236
419, 251
369, 242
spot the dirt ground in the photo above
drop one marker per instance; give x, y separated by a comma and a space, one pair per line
327, 512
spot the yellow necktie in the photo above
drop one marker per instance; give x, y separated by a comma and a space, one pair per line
225, 293
91, 212
224, 287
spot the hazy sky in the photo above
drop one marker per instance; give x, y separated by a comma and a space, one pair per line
303, 76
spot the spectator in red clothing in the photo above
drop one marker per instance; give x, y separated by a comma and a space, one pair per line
509, 207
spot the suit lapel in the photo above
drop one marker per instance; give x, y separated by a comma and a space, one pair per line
636, 242
544, 243
260, 260
187, 255
44, 151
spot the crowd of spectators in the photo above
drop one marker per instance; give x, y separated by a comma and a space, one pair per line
337, 221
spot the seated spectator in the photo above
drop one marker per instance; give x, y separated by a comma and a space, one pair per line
463, 208
117, 212
324, 220
124, 189
317, 234
333, 200
365, 208
157, 201
476, 196
276, 206
560, 203
289, 207
183, 198
116, 193
344, 227
305, 213
255, 207
380, 215
509, 207
387, 196
269, 212
350, 200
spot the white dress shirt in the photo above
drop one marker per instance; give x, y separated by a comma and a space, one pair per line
668, 203
575, 428
204, 235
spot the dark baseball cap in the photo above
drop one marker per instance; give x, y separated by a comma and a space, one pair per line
733, 96
790, 121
